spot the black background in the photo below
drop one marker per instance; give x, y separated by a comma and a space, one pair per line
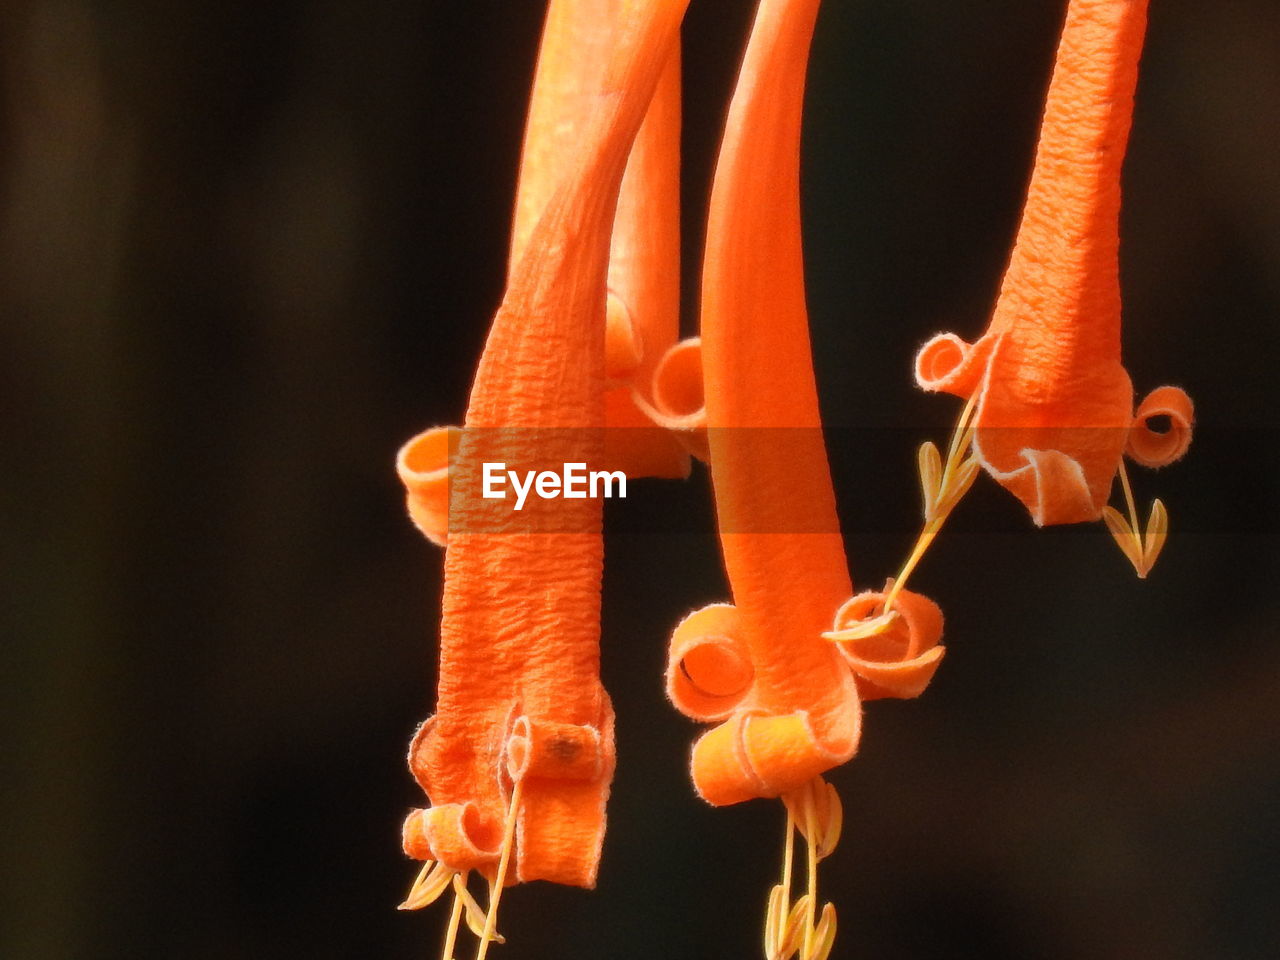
248, 248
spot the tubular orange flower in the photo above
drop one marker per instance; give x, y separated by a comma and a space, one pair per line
787, 700
1052, 407
789, 704
519, 753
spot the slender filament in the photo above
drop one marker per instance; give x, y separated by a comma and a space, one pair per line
945, 501
504, 861
451, 932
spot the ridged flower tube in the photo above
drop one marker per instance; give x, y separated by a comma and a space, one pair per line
787, 703
642, 318
644, 386
1052, 404
520, 699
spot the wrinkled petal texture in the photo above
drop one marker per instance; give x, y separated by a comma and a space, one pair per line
519, 690
643, 315
789, 703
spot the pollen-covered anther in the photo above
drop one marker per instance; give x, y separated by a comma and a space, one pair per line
1140, 549
892, 654
473, 914
432, 881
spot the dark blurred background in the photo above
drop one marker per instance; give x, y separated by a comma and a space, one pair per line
248, 248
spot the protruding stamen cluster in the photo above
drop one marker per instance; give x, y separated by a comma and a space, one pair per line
792, 928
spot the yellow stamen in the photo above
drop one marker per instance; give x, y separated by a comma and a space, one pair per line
788, 857
475, 917
942, 486
776, 912
815, 810
487, 935
451, 932
773, 920
1141, 549
433, 880
1133, 510
825, 936
792, 929
811, 834
864, 628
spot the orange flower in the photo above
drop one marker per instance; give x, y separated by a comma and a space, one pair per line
519, 753
789, 704
785, 695
1051, 403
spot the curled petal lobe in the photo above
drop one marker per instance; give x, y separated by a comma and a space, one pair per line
1051, 485
899, 659
677, 381
753, 754
709, 669
565, 751
453, 833
423, 467
420, 753
950, 364
566, 769
1158, 448
679, 403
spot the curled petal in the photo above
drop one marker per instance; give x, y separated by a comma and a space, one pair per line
453, 833
1153, 448
678, 397
709, 671
751, 755
900, 660
560, 823
423, 467
564, 751
1052, 485
950, 364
